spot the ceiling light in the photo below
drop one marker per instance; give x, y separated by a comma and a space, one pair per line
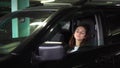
44, 1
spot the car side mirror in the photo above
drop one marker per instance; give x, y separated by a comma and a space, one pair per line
51, 51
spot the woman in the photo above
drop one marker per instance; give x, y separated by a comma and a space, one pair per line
78, 38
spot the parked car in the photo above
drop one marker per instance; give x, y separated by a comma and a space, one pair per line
35, 37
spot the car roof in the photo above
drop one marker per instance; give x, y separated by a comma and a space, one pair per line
44, 8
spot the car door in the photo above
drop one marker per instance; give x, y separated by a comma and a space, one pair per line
98, 56
112, 32
62, 30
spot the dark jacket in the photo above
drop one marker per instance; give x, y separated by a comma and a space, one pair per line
82, 48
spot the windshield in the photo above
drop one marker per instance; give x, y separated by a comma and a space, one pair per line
18, 26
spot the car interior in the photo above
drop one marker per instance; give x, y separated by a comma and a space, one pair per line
90, 21
61, 37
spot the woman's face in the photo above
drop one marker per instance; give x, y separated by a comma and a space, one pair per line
80, 33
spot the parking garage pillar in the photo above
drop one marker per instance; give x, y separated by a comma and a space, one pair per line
20, 29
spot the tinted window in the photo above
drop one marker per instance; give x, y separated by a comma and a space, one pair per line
113, 19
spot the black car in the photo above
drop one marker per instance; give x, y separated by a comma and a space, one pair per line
35, 37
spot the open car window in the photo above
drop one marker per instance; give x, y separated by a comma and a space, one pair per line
64, 28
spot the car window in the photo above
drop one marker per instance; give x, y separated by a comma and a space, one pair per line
20, 25
64, 29
113, 27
